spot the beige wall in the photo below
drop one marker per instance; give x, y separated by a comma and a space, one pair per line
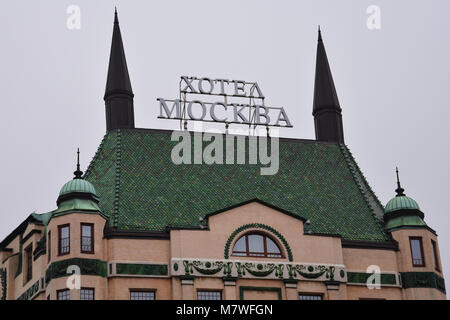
210, 244
157, 251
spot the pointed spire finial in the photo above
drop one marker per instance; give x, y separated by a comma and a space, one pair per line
326, 109
118, 92
399, 189
116, 18
78, 173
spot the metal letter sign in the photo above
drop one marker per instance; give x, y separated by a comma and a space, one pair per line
230, 110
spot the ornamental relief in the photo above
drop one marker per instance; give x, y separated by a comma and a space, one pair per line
257, 269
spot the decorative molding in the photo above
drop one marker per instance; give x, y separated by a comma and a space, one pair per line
31, 292
140, 269
256, 200
370, 245
360, 278
115, 214
257, 226
30, 234
41, 248
422, 280
91, 267
188, 282
257, 269
332, 285
112, 233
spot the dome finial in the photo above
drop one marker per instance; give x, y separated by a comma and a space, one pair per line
78, 173
399, 189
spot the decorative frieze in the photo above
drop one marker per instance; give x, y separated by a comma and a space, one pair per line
140, 269
30, 292
92, 267
386, 279
422, 280
257, 269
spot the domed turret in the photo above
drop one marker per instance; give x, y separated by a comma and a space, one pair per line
77, 187
77, 194
401, 202
402, 211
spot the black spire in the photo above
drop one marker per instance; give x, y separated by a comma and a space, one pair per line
326, 108
78, 173
118, 94
399, 189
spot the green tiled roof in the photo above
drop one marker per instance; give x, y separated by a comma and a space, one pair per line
141, 189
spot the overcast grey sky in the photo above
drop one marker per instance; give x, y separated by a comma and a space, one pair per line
393, 84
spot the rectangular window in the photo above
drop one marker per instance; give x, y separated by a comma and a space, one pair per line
209, 295
435, 254
29, 263
49, 247
87, 294
142, 295
64, 239
63, 294
87, 238
305, 296
417, 252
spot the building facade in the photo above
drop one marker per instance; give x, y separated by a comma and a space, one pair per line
137, 226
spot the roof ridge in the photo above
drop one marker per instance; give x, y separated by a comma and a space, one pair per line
95, 157
170, 131
117, 179
366, 190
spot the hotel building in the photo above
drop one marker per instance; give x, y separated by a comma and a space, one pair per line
137, 226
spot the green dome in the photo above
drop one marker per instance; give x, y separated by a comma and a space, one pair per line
78, 186
77, 194
399, 203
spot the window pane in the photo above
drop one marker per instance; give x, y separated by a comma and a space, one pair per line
255, 243
240, 245
209, 295
271, 246
309, 297
64, 240
86, 230
87, 294
86, 238
142, 295
416, 252
64, 232
64, 295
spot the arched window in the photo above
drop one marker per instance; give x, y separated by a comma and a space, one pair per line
256, 245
